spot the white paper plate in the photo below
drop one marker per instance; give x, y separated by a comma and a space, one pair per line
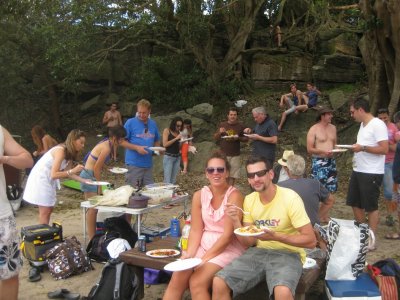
185, 140
339, 150
229, 136
309, 263
158, 253
345, 146
238, 232
157, 148
117, 170
97, 182
248, 135
183, 264
160, 186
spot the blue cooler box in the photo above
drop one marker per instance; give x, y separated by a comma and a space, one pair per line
363, 288
154, 233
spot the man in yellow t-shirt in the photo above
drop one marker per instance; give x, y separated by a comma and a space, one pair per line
278, 254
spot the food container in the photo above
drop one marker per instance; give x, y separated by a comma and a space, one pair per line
158, 195
138, 201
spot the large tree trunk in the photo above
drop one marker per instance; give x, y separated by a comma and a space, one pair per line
381, 49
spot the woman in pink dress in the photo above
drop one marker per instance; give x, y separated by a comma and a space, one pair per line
211, 236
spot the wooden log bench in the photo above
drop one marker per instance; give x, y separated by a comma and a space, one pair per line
139, 260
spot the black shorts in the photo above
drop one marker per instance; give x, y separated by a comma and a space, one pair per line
364, 190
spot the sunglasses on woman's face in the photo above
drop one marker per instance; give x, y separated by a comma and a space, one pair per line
211, 170
258, 173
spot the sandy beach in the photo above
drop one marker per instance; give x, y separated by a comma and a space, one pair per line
68, 213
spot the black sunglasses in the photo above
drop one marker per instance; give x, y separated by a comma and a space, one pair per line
219, 170
258, 173
146, 128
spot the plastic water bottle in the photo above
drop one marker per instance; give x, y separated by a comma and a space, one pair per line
175, 232
185, 235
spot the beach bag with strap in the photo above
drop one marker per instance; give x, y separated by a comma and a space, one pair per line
117, 282
389, 268
67, 259
347, 242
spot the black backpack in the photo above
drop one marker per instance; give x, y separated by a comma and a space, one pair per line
117, 282
120, 225
389, 267
97, 247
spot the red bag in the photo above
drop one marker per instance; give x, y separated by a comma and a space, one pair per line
387, 284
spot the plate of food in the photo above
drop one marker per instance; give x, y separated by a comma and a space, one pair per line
162, 253
338, 150
117, 170
97, 182
229, 136
156, 148
251, 230
185, 140
344, 146
309, 263
183, 264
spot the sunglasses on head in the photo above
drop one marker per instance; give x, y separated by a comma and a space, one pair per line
258, 173
211, 170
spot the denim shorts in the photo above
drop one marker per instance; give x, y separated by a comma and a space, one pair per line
276, 267
88, 188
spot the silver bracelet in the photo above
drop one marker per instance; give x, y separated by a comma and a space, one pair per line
69, 172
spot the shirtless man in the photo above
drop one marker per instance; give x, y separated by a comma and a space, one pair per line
294, 101
321, 139
112, 118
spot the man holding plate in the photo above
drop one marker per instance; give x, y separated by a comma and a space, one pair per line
278, 255
142, 134
368, 165
321, 139
229, 135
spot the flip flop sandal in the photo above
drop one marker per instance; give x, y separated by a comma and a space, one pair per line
392, 236
63, 294
34, 275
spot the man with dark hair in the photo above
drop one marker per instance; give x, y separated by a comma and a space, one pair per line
229, 135
368, 164
264, 135
112, 118
383, 114
278, 255
321, 139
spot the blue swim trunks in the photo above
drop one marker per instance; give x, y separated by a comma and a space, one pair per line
324, 169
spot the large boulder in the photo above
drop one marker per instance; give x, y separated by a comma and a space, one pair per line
337, 99
202, 111
91, 104
338, 68
293, 66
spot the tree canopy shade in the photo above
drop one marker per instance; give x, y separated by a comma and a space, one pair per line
51, 52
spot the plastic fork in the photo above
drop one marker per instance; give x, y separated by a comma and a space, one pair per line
245, 212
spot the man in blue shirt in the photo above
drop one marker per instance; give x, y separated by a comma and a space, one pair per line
142, 133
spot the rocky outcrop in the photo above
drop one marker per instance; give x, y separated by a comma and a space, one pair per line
338, 68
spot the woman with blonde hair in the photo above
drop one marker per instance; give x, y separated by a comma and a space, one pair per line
42, 140
211, 236
55, 164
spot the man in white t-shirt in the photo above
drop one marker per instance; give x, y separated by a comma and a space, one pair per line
368, 164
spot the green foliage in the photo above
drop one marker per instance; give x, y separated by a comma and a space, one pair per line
175, 82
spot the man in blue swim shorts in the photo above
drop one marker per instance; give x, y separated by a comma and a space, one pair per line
321, 140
